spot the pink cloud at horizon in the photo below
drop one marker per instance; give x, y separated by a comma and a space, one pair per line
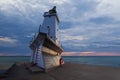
90, 54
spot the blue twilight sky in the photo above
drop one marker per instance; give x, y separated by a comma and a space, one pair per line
86, 25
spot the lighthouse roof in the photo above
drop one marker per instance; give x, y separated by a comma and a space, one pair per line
52, 12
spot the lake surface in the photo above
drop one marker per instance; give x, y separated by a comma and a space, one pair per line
113, 61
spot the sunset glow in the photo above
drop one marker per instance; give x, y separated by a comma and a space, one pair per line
90, 54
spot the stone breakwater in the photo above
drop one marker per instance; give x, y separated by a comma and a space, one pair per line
69, 71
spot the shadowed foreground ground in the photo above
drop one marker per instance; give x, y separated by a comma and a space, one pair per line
69, 71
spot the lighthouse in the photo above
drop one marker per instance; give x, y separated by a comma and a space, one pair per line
45, 46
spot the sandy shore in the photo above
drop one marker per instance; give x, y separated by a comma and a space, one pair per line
69, 71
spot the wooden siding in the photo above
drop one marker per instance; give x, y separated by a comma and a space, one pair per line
51, 61
40, 61
49, 51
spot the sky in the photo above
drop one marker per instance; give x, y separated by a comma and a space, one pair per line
87, 27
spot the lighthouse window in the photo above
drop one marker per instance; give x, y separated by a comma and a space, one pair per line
48, 27
48, 30
56, 38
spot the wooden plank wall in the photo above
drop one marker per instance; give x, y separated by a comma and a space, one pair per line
51, 61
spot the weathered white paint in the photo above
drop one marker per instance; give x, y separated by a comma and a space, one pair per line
49, 51
39, 60
50, 26
32, 56
51, 61
35, 55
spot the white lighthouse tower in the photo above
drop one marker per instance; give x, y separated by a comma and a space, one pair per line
46, 49
51, 24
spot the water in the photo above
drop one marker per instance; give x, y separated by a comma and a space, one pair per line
12, 59
113, 61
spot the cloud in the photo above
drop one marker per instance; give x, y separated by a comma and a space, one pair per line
99, 54
68, 53
7, 40
69, 10
67, 38
90, 54
109, 8
60, 2
82, 37
28, 10
30, 35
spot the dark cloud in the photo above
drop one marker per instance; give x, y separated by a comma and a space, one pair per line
102, 20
